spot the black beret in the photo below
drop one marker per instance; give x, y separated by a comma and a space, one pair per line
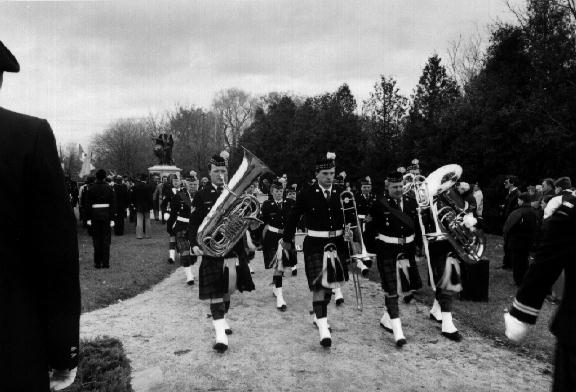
217, 160
8, 62
101, 174
277, 185
326, 162
395, 176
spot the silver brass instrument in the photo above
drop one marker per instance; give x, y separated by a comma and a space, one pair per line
450, 223
353, 227
234, 211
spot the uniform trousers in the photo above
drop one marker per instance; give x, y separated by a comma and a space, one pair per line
101, 238
142, 224
564, 368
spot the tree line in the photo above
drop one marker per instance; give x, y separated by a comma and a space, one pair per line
507, 110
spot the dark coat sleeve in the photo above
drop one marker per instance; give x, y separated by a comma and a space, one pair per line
196, 218
56, 245
294, 217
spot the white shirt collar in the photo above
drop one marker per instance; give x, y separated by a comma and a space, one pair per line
325, 189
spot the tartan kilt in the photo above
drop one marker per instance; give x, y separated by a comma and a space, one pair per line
182, 245
269, 248
314, 256
386, 255
212, 282
438, 252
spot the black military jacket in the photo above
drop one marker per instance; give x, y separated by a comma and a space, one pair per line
382, 221
122, 198
100, 193
181, 207
276, 214
556, 252
40, 316
364, 203
319, 213
201, 205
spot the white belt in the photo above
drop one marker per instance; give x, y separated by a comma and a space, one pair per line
275, 230
182, 219
361, 216
324, 234
395, 240
100, 205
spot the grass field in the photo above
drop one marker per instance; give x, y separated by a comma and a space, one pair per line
135, 265
487, 317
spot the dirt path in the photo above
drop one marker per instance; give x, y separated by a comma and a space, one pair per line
169, 338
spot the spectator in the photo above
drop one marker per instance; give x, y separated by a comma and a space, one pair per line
520, 232
142, 201
479, 196
39, 285
562, 188
101, 215
548, 187
510, 203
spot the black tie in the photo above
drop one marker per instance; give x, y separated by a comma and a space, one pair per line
220, 188
327, 194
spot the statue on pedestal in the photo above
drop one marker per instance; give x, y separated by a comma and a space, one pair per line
163, 148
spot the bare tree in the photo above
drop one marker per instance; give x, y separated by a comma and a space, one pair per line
197, 136
466, 58
235, 109
125, 147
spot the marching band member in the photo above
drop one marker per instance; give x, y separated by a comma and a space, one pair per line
555, 253
325, 249
445, 270
217, 276
274, 214
182, 209
170, 218
391, 231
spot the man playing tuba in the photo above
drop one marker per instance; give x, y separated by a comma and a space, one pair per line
217, 278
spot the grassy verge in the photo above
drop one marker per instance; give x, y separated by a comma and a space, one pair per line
103, 367
487, 317
135, 266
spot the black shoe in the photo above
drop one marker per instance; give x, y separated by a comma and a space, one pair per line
228, 331
294, 272
326, 342
220, 347
435, 319
170, 260
105, 266
97, 266
386, 328
190, 283
339, 301
455, 336
365, 273
282, 308
407, 299
400, 342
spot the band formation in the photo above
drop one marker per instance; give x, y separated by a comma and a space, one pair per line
221, 223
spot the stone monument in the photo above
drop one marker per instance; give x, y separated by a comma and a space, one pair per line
163, 150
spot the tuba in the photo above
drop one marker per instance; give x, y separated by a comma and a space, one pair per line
451, 222
234, 211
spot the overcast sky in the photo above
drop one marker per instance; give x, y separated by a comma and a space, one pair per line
85, 64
